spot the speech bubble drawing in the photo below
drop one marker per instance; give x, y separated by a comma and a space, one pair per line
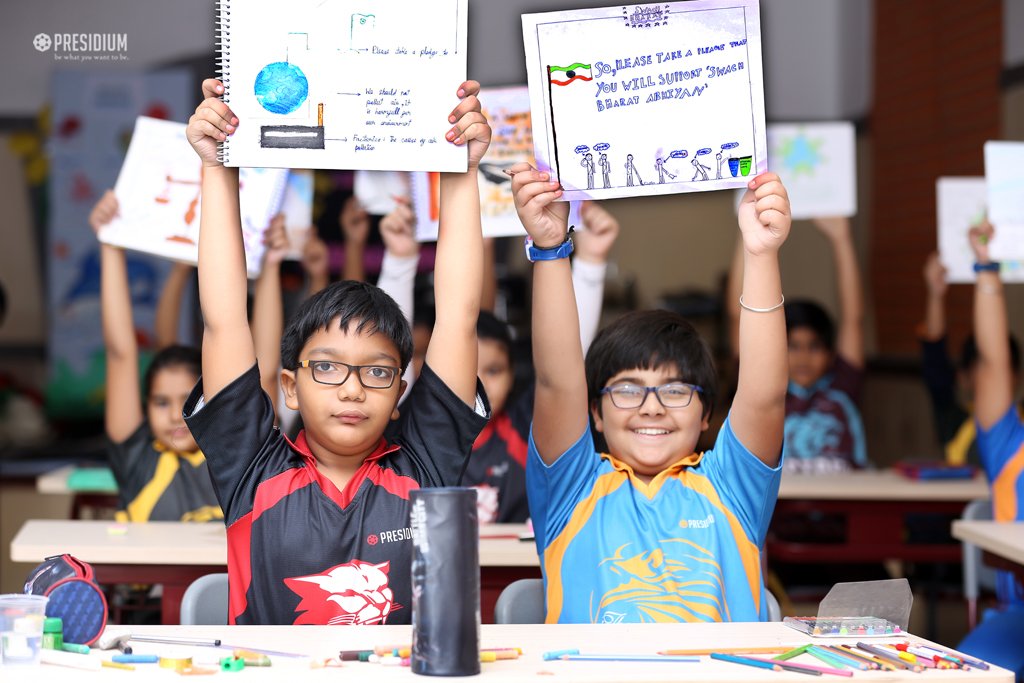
679, 154
582, 149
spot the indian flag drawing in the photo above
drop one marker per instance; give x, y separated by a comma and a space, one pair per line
564, 75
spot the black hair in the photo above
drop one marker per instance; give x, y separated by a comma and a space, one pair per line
489, 326
648, 340
804, 313
969, 353
349, 302
174, 356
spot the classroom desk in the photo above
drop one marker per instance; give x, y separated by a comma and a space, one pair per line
1001, 543
56, 482
325, 641
176, 553
875, 504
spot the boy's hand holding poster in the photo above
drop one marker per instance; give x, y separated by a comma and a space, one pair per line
647, 99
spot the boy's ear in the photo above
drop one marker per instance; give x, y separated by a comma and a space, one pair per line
595, 412
401, 393
291, 398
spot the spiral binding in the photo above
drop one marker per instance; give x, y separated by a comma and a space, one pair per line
222, 37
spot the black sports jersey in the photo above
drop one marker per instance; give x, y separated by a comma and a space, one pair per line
497, 467
301, 551
156, 483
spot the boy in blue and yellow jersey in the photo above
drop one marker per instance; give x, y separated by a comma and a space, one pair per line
1000, 636
651, 530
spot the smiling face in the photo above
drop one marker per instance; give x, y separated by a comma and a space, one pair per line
169, 388
651, 437
346, 420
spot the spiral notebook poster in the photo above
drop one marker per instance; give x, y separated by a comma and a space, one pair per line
331, 84
647, 99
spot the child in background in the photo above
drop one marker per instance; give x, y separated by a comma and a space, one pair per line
497, 467
954, 423
652, 531
161, 473
824, 430
1000, 433
318, 529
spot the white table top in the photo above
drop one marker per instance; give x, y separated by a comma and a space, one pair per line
1005, 539
182, 543
880, 485
326, 641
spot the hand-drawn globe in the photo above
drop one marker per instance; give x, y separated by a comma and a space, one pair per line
281, 88
41, 42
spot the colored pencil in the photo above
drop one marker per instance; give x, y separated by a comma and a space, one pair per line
879, 663
789, 666
795, 652
890, 656
851, 660
826, 656
764, 664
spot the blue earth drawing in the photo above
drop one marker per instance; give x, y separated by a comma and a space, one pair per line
281, 88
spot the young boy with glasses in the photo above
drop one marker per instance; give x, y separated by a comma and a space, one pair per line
651, 530
318, 529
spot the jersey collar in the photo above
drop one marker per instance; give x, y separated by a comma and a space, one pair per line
301, 446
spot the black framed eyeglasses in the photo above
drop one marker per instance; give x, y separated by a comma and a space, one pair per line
336, 373
671, 395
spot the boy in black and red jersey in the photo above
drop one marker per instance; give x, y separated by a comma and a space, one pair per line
318, 529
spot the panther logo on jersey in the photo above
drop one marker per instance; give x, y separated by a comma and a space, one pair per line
355, 592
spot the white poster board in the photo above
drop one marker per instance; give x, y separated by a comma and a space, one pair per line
960, 204
647, 99
319, 84
297, 207
818, 164
158, 190
1004, 163
508, 111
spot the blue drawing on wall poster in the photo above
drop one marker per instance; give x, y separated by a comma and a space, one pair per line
281, 88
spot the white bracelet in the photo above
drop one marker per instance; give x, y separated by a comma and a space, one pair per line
763, 310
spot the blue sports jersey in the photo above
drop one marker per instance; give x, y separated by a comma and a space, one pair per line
1002, 455
686, 547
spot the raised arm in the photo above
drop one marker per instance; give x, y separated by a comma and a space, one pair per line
599, 231
733, 289
316, 263
123, 409
759, 409
268, 307
850, 337
935, 301
355, 226
560, 403
168, 308
401, 256
227, 343
993, 391
489, 292
458, 268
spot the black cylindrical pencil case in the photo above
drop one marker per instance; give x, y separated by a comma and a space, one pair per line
445, 582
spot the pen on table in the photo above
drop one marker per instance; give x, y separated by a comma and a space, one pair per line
170, 640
